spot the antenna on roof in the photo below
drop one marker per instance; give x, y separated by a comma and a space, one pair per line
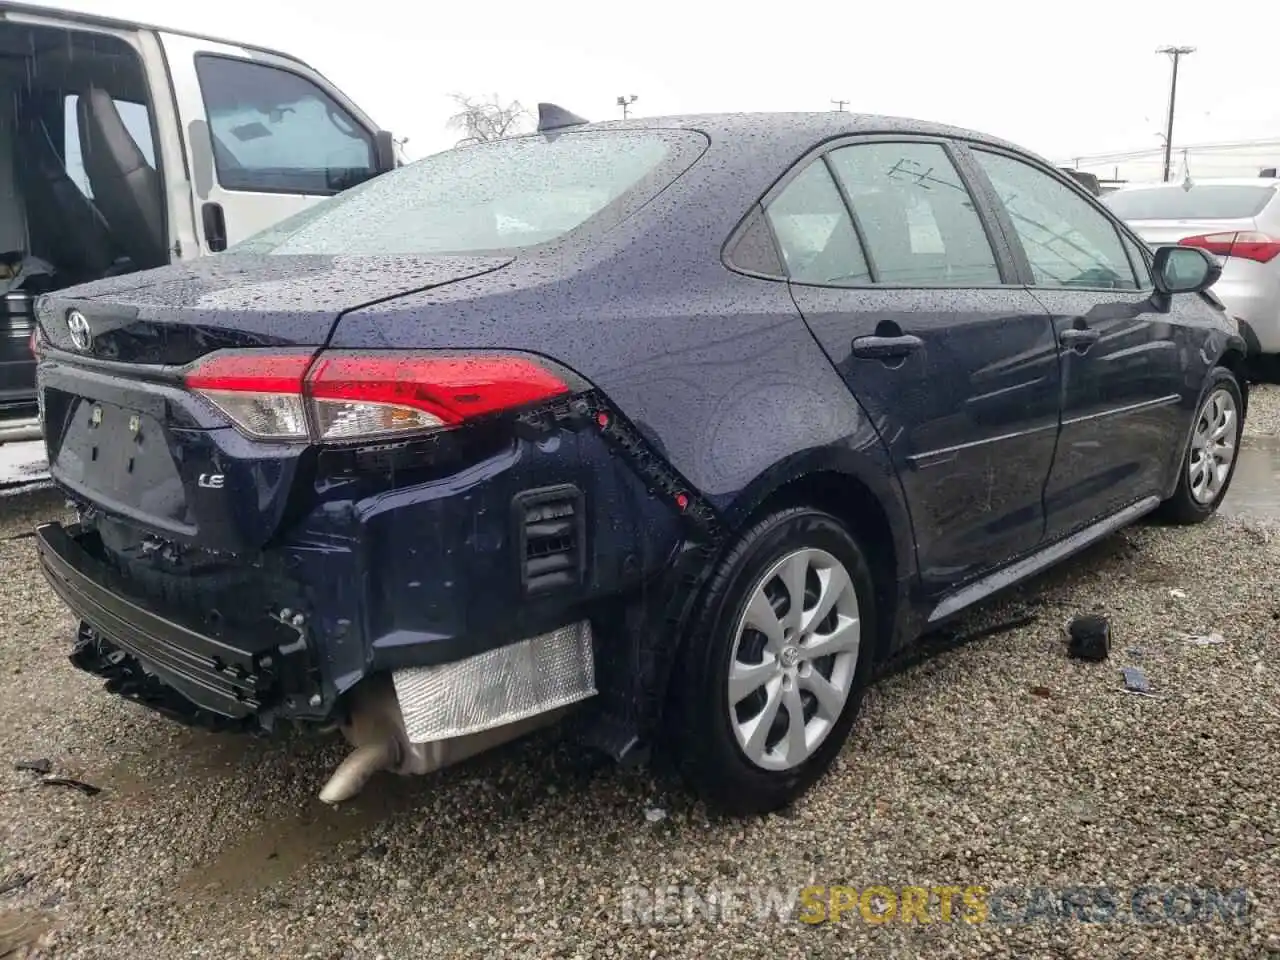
552, 117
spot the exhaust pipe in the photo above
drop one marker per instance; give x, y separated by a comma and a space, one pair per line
376, 731
354, 772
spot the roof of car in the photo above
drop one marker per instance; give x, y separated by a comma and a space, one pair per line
813, 126
94, 19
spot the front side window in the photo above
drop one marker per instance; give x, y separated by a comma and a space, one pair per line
503, 195
1141, 263
274, 131
814, 231
1067, 242
919, 222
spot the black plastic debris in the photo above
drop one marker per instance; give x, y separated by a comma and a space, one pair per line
1089, 637
42, 766
88, 789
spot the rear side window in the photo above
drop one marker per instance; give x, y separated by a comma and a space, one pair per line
814, 231
274, 131
1200, 202
919, 223
501, 195
1068, 241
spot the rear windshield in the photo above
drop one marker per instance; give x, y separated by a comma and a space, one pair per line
501, 195
1201, 202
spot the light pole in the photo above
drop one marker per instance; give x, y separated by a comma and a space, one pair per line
1175, 54
625, 102
840, 105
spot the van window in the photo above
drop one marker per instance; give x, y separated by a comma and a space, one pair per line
274, 131
137, 120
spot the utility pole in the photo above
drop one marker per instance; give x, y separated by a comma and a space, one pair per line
625, 102
840, 104
1175, 54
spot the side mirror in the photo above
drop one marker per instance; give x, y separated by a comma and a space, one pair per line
384, 150
1184, 270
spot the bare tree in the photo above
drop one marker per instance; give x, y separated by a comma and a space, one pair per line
491, 119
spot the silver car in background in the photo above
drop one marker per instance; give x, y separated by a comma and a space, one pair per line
1236, 220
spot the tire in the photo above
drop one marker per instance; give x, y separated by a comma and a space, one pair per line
708, 733
1199, 493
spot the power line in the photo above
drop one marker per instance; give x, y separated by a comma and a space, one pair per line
1264, 145
1175, 54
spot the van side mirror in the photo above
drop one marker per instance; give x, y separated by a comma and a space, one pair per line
384, 150
1184, 270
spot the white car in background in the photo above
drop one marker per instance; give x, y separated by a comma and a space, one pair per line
1238, 221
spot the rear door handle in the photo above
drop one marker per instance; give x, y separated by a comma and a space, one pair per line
1079, 337
886, 348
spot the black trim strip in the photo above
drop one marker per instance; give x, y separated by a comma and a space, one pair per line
1020, 570
1121, 411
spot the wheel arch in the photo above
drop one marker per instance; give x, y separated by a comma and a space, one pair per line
1235, 358
860, 490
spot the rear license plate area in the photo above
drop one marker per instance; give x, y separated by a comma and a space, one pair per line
121, 455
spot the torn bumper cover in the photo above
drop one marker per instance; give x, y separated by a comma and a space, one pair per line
262, 671
416, 720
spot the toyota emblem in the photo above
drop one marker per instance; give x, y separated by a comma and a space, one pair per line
78, 327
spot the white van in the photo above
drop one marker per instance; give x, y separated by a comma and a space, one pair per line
125, 147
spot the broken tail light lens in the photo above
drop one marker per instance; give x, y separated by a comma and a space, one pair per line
344, 397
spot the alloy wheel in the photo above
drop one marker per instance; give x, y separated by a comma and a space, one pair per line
1213, 446
794, 657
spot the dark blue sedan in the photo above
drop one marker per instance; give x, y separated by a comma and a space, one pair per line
678, 426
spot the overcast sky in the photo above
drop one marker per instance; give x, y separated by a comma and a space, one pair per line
1064, 79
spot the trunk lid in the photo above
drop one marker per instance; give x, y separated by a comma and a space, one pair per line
177, 314
123, 434
1161, 232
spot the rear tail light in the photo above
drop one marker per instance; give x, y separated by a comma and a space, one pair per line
1248, 244
347, 397
259, 393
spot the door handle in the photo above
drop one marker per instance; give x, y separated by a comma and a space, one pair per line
1079, 336
886, 348
215, 227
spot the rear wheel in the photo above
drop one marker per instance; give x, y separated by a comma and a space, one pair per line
772, 676
1210, 460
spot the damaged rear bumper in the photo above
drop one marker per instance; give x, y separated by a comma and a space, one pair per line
413, 721
259, 673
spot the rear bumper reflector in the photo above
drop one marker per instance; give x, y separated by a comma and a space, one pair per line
497, 687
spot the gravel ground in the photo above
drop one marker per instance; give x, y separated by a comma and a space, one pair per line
998, 762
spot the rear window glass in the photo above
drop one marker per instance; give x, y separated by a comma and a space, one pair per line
502, 195
1201, 202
